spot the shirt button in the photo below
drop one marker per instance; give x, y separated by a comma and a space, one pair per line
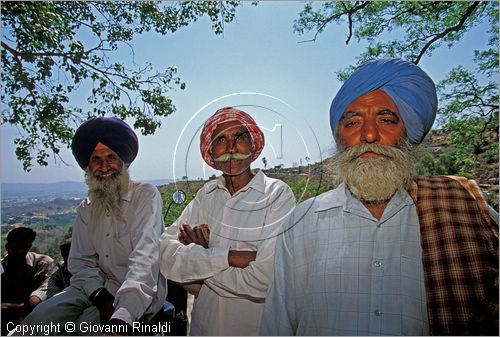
107, 234
377, 263
107, 255
377, 313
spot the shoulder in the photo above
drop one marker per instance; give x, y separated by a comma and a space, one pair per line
306, 213
273, 184
41, 259
144, 189
209, 186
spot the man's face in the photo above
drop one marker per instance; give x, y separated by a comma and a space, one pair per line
232, 148
374, 158
104, 163
17, 251
372, 118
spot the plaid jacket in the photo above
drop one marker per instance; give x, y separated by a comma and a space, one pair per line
460, 256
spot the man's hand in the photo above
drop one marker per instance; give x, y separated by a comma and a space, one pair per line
199, 235
104, 303
12, 306
33, 301
193, 288
240, 258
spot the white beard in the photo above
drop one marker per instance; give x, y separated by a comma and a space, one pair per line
375, 179
106, 196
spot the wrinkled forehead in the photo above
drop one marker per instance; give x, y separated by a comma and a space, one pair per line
102, 150
376, 99
229, 128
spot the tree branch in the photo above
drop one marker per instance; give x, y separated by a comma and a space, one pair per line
20, 67
350, 13
448, 30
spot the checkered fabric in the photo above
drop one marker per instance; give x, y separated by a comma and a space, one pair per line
460, 256
229, 114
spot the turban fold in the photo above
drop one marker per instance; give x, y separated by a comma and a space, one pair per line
110, 131
411, 89
229, 114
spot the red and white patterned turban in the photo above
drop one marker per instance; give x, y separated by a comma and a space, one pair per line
229, 114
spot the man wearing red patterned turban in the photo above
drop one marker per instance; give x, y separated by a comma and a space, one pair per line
116, 281
221, 248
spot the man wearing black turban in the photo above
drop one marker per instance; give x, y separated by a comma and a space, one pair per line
386, 253
114, 252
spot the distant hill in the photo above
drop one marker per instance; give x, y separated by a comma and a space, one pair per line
62, 188
58, 189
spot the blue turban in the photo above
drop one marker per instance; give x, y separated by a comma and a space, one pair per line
411, 89
110, 131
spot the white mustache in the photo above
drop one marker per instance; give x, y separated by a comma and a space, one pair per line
229, 156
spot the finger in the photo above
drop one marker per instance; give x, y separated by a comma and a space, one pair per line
181, 235
181, 238
191, 236
200, 239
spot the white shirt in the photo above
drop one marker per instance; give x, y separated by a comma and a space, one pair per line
122, 256
231, 299
340, 271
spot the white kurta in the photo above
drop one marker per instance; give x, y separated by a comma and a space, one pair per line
231, 300
122, 256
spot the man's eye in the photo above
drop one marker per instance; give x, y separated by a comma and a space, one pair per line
388, 121
348, 124
220, 140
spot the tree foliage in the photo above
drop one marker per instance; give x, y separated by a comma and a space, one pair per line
53, 51
412, 30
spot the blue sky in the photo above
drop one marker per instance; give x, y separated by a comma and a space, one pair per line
259, 65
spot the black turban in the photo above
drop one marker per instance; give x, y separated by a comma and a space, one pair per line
110, 131
21, 235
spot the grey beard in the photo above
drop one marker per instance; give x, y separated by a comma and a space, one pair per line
375, 179
107, 196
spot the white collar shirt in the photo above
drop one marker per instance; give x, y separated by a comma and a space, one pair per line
231, 299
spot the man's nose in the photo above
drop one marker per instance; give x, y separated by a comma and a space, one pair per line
104, 166
370, 132
231, 146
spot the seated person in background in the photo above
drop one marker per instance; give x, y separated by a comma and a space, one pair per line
115, 245
24, 276
60, 275
225, 237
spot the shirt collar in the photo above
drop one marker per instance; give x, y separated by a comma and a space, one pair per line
128, 195
257, 183
342, 197
335, 198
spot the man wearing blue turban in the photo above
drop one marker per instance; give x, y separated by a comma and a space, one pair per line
114, 258
386, 253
